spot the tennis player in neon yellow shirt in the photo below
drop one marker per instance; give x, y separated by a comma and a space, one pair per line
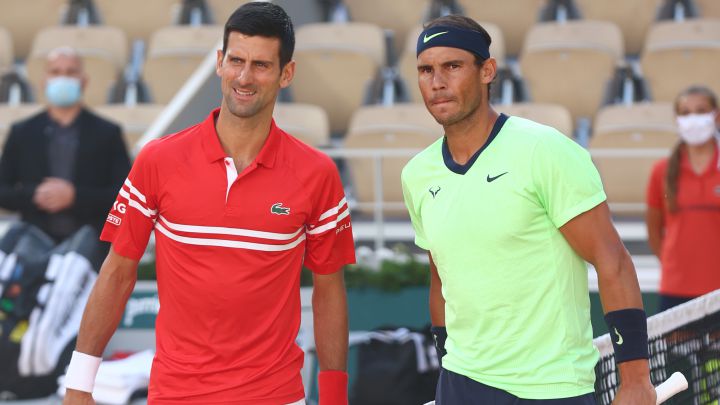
509, 211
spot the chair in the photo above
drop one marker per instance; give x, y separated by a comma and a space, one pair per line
7, 57
633, 17
406, 126
622, 128
134, 120
9, 114
335, 65
513, 17
174, 54
138, 18
680, 54
308, 123
400, 16
553, 115
221, 9
25, 19
408, 59
708, 8
571, 63
103, 49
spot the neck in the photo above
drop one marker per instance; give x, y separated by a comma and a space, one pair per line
701, 155
466, 137
64, 115
242, 138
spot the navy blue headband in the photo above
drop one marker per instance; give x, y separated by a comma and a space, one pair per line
471, 41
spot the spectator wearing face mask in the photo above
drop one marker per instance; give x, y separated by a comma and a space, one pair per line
61, 169
683, 199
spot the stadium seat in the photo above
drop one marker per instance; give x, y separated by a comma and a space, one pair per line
680, 54
513, 17
103, 49
134, 120
9, 114
408, 59
627, 127
571, 63
138, 18
221, 9
174, 54
400, 16
553, 115
633, 17
308, 123
24, 20
377, 127
708, 8
335, 65
7, 57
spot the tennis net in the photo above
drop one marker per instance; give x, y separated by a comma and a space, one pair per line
686, 339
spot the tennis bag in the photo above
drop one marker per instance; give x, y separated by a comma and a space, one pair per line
396, 367
43, 291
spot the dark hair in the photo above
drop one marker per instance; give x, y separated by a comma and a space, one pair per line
265, 20
465, 23
673, 168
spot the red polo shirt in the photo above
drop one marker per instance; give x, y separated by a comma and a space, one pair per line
229, 251
689, 254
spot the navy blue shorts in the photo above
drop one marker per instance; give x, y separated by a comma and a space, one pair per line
456, 389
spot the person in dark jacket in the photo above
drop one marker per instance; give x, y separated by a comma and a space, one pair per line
62, 168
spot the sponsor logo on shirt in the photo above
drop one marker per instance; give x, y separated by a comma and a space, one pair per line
493, 178
113, 219
278, 209
434, 190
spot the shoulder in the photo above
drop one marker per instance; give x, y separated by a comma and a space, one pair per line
659, 168
303, 158
524, 130
99, 123
426, 160
30, 123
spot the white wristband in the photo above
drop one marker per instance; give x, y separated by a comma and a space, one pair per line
82, 371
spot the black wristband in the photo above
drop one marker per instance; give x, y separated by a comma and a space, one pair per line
439, 334
628, 333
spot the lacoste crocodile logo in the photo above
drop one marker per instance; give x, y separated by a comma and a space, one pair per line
278, 209
434, 190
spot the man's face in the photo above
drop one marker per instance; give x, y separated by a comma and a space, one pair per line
65, 66
251, 75
452, 86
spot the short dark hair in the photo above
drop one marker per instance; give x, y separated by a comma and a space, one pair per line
265, 20
461, 22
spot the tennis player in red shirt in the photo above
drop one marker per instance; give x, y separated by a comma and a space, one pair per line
238, 207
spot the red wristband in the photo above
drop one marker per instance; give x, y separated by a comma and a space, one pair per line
332, 385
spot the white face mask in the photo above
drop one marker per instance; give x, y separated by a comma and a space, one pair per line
696, 129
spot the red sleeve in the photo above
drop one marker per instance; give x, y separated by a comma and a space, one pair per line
329, 235
132, 216
655, 196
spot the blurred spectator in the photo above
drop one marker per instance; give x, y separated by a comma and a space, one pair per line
62, 168
683, 198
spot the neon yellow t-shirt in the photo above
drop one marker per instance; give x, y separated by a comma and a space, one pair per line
517, 306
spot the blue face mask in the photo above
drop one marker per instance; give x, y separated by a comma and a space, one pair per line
63, 91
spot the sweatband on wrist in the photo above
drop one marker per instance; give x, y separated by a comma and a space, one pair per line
628, 333
82, 371
332, 387
471, 41
439, 334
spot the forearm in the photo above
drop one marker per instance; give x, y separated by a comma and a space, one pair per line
330, 321
437, 301
618, 284
104, 309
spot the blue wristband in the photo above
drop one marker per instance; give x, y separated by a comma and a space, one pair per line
628, 333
